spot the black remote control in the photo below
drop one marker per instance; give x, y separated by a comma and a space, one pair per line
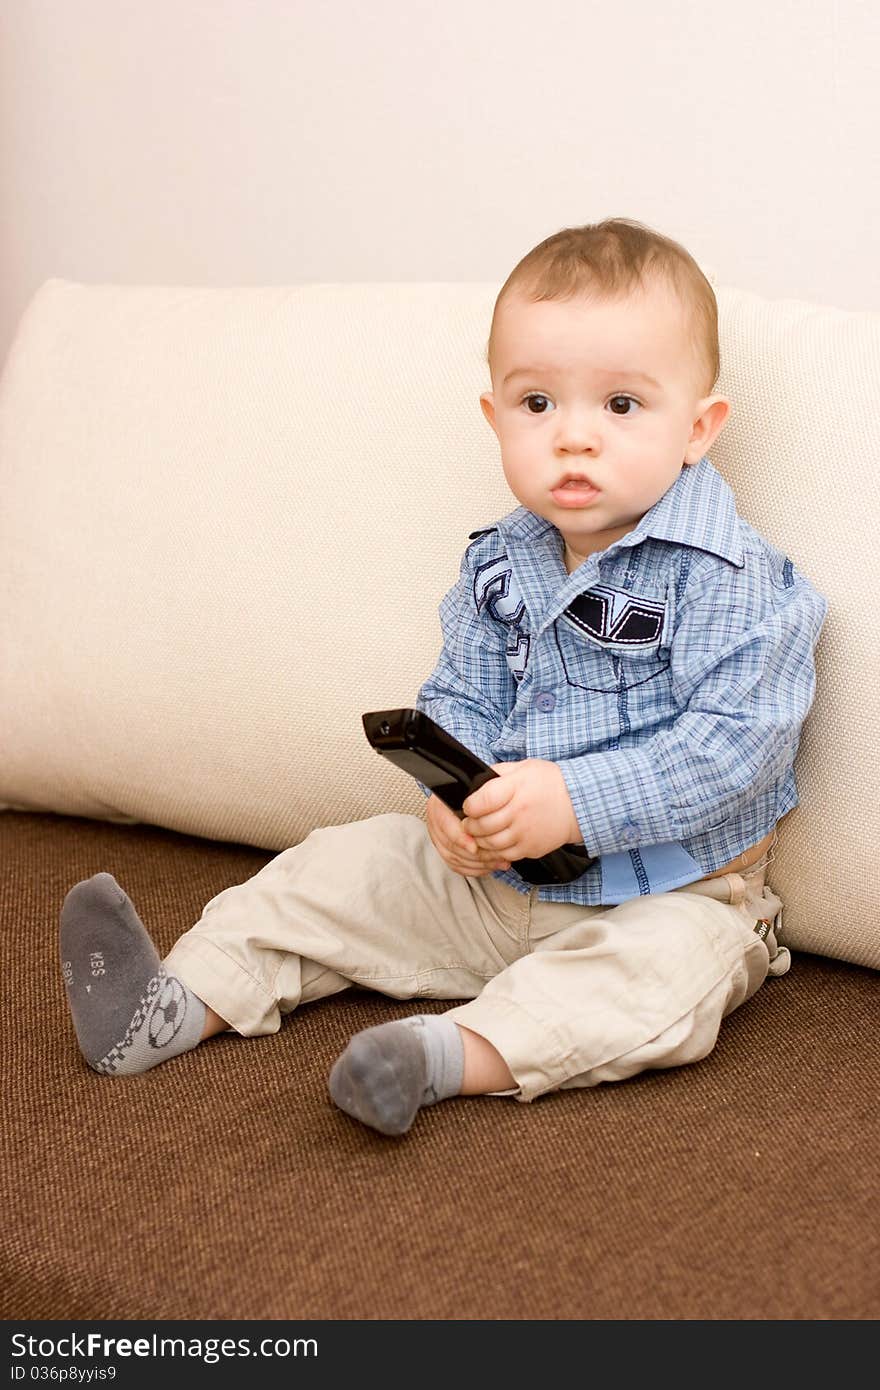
414, 742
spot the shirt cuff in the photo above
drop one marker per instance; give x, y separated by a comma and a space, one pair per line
619, 801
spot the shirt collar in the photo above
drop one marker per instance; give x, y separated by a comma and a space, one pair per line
699, 510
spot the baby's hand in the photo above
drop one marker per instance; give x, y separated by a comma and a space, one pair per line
455, 847
524, 812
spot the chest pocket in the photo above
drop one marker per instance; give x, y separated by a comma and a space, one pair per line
612, 639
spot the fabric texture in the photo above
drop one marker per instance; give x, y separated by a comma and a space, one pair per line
668, 676
228, 517
569, 995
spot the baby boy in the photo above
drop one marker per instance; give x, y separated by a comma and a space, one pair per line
634, 660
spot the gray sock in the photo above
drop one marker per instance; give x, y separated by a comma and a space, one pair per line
128, 1012
387, 1073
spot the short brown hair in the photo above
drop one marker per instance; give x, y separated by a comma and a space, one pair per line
612, 258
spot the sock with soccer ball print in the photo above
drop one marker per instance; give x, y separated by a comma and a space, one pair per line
128, 1012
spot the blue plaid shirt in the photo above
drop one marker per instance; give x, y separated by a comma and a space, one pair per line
668, 677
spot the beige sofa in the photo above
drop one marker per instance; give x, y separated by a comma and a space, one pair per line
227, 517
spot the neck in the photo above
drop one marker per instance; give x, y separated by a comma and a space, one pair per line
603, 539
572, 559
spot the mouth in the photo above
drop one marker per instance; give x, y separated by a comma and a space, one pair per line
574, 490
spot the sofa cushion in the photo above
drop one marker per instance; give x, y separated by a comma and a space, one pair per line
228, 517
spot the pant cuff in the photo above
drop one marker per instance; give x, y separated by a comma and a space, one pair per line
506, 1026
222, 984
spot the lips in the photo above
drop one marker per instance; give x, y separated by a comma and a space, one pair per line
574, 490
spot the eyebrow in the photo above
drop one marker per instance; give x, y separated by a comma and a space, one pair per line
546, 371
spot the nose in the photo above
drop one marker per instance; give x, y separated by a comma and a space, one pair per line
577, 432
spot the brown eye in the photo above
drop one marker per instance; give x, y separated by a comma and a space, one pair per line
625, 400
539, 403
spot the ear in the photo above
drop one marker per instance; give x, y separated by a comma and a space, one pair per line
487, 401
711, 419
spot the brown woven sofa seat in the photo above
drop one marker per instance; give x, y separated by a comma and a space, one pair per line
225, 1185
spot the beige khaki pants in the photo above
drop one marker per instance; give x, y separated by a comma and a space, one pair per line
568, 995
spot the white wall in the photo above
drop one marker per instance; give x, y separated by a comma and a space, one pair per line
273, 141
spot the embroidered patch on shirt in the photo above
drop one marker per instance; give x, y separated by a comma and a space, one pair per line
613, 617
496, 589
517, 652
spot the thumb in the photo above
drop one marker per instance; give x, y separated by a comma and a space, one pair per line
488, 797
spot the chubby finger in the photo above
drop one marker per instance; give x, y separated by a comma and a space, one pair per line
481, 855
476, 868
459, 845
479, 858
481, 827
459, 850
494, 843
463, 844
444, 827
442, 816
498, 847
491, 796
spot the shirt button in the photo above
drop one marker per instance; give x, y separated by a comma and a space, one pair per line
629, 832
544, 701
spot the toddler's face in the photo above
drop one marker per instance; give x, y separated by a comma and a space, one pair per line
587, 441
